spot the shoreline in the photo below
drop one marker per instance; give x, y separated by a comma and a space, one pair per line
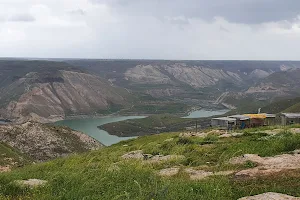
54, 119
101, 116
187, 113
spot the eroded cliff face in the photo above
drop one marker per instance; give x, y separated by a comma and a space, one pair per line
278, 84
196, 77
52, 98
199, 77
147, 74
259, 74
42, 142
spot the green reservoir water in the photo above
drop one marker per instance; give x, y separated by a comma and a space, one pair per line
205, 113
89, 126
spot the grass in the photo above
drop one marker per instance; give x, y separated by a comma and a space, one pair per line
286, 105
295, 108
103, 174
8, 155
153, 125
149, 125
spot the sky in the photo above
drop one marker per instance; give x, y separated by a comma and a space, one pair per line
151, 29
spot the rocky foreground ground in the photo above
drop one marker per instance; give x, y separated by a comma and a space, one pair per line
40, 142
251, 164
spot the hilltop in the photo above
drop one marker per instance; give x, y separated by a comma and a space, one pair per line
153, 124
34, 142
285, 105
205, 165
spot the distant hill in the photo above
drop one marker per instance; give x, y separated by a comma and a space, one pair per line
285, 105
284, 83
293, 108
199, 82
153, 125
49, 91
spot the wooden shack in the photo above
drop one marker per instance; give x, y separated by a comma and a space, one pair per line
270, 120
290, 118
242, 121
223, 122
256, 120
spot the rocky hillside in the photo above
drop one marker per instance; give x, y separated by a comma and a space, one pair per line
194, 82
285, 105
280, 83
277, 88
196, 77
47, 91
11, 158
41, 142
212, 164
52, 94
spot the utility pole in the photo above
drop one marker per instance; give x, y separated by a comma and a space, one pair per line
196, 126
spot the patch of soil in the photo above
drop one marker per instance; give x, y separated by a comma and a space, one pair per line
31, 183
134, 155
148, 158
162, 158
295, 130
270, 196
267, 165
169, 171
5, 169
272, 132
194, 174
202, 134
227, 135
197, 174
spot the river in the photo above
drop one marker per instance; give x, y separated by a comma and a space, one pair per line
89, 126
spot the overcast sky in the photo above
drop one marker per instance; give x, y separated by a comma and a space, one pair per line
151, 29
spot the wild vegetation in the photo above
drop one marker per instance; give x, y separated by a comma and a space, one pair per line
285, 105
11, 157
153, 124
104, 174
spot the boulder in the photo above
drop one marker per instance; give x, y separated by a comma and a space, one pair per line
31, 183
270, 196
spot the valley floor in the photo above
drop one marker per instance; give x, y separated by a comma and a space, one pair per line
206, 165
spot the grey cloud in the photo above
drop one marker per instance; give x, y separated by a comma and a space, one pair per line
237, 11
77, 12
223, 29
2, 19
177, 20
21, 18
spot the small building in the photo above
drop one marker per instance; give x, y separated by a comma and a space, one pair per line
256, 119
242, 121
270, 120
290, 118
223, 122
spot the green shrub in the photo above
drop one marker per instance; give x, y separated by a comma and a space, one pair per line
185, 140
210, 139
250, 164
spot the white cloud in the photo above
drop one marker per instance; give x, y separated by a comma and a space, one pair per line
81, 28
